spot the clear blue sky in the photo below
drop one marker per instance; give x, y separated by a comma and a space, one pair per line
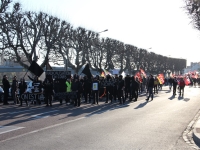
160, 25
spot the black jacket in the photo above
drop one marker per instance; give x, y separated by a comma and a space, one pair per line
151, 82
6, 85
22, 87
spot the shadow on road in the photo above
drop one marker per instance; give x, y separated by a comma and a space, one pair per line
141, 105
172, 97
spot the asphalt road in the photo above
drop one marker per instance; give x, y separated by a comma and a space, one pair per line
153, 125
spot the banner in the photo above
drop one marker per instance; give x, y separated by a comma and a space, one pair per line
59, 74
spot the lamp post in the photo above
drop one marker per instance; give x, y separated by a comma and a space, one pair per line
103, 31
98, 46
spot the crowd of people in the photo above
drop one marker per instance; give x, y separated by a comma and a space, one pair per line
90, 90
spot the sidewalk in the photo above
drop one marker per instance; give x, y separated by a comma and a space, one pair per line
196, 133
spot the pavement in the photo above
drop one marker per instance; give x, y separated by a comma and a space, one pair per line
196, 132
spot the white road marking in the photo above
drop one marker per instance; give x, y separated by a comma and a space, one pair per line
39, 116
16, 112
5, 129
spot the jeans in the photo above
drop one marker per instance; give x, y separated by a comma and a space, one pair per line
150, 93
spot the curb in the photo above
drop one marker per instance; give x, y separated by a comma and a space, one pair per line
196, 133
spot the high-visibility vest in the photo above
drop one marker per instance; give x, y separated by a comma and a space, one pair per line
68, 86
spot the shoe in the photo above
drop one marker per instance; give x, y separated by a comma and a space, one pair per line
106, 102
147, 99
47, 105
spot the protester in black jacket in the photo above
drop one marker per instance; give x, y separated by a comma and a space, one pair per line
127, 86
95, 90
134, 89
76, 87
48, 85
6, 86
87, 83
109, 88
37, 84
14, 88
174, 83
22, 89
120, 90
150, 87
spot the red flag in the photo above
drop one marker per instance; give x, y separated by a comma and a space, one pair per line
138, 75
186, 80
142, 71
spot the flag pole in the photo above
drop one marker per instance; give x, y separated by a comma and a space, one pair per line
26, 73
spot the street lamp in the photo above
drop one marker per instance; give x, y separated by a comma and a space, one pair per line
97, 60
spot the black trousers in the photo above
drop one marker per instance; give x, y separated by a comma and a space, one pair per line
77, 100
181, 89
127, 91
95, 96
134, 94
174, 90
48, 98
109, 93
121, 96
20, 98
87, 93
5, 101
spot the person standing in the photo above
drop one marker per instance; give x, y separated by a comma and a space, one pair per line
14, 88
48, 85
68, 89
37, 88
22, 89
87, 89
76, 87
134, 89
181, 87
6, 86
120, 89
115, 94
170, 80
150, 87
127, 86
109, 88
156, 82
174, 83
95, 90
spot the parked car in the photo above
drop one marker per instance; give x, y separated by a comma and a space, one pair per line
1, 94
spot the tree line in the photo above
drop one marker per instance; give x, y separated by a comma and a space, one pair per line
26, 36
